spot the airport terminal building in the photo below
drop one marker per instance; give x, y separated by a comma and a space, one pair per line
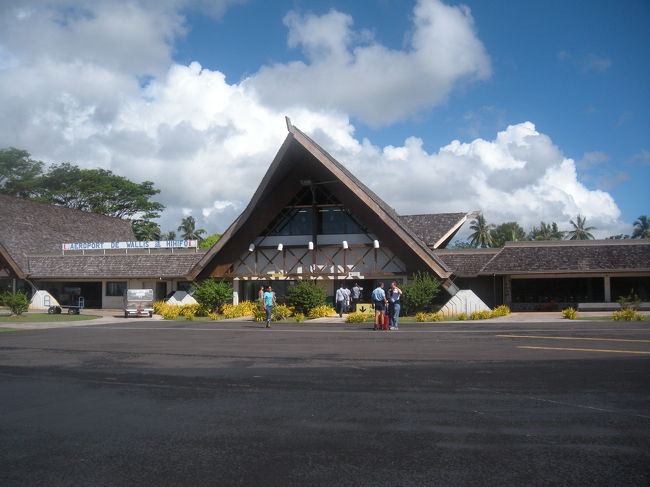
310, 218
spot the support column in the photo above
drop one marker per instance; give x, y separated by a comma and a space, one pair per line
608, 289
507, 290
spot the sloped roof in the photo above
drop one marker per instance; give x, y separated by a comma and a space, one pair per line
436, 229
124, 266
571, 256
28, 227
466, 262
550, 257
301, 158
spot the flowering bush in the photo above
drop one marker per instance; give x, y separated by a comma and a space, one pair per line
245, 308
480, 315
569, 313
421, 317
627, 314
435, 317
298, 317
321, 312
461, 316
281, 312
502, 310
356, 317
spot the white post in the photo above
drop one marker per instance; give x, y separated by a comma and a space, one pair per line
608, 289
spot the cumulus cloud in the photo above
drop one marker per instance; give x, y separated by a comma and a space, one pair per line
207, 143
348, 72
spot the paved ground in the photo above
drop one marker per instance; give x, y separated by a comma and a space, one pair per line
145, 402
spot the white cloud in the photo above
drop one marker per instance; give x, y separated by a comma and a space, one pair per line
207, 143
347, 72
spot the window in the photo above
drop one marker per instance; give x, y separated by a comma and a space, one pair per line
115, 288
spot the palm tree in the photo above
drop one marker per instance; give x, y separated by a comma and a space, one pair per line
171, 235
546, 231
189, 230
641, 227
481, 236
580, 232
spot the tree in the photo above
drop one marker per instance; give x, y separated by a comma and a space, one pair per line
507, 232
171, 235
17, 302
18, 171
97, 191
546, 232
462, 244
189, 230
421, 293
580, 232
481, 236
305, 296
212, 294
209, 241
641, 227
146, 230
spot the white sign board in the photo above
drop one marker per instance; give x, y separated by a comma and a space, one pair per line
148, 244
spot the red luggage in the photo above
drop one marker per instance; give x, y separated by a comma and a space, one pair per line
386, 322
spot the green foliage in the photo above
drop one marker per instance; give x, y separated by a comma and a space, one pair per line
462, 244
189, 230
641, 227
18, 172
631, 301
281, 312
305, 296
507, 232
321, 312
502, 310
212, 294
17, 302
580, 231
419, 296
546, 232
356, 317
569, 313
145, 230
627, 314
481, 236
209, 241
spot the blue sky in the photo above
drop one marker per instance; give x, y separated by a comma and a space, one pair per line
548, 101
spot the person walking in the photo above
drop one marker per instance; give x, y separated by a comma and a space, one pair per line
394, 301
269, 302
379, 302
341, 296
356, 295
260, 297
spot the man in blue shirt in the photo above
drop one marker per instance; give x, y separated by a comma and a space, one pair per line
269, 302
379, 301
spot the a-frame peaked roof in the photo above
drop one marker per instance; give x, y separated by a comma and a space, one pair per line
300, 159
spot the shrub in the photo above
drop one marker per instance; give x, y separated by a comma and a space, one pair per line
435, 317
421, 317
305, 296
421, 293
461, 316
214, 316
569, 313
502, 310
17, 302
299, 317
627, 314
480, 315
281, 312
245, 308
631, 301
321, 312
213, 294
158, 307
188, 310
356, 317
259, 315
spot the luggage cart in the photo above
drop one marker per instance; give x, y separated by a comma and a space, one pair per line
73, 309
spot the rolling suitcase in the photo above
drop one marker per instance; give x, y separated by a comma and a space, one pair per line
386, 324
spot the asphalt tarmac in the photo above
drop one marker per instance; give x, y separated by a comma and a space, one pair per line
194, 403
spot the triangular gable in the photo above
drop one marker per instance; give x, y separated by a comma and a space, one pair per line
6, 262
299, 158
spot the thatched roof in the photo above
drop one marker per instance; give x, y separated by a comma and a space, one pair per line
299, 159
436, 229
28, 227
551, 257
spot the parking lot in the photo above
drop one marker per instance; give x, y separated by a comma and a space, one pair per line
144, 402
